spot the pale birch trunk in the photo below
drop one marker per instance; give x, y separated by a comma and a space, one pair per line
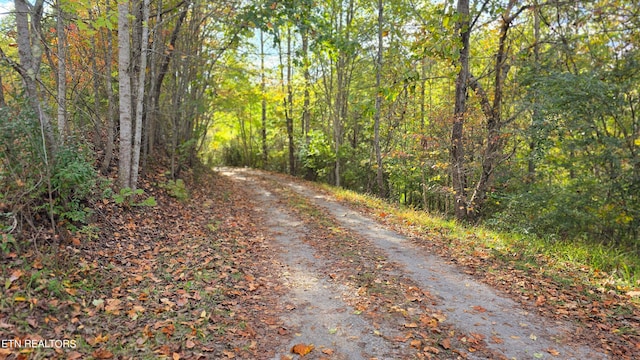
124, 80
140, 96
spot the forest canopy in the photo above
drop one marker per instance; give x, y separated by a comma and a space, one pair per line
521, 114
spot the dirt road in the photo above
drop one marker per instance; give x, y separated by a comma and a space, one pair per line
477, 322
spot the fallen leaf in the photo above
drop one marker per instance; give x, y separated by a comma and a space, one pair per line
102, 354
113, 306
633, 293
446, 344
168, 330
416, 344
229, 354
74, 355
182, 302
479, 309
302, 349
33, 322
175, 356
411, 325
4, 325
164, 350
190, 344
431, 349
553, 352
328, 351
15, 275
99, 339
98, 303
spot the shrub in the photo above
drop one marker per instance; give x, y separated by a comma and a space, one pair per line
74, 180
176, 189
33, 182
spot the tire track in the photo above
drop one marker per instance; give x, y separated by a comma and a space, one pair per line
317, 315
471, 306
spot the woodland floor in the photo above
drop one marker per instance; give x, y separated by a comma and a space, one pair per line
256, 265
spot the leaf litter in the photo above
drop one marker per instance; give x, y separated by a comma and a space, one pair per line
182, 280
199, 280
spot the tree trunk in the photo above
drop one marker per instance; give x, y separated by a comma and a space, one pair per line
97, 111
289, 110
265, 154
30, 54
124, 79
343, 79
531, 165
144, 44
106, 162
306, 102
493, 112
376, 121
2, 101
458, 175
156, 83
62, 75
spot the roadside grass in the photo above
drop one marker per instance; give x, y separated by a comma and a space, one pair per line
599, 265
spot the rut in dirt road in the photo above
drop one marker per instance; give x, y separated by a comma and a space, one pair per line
469, 305
317, 313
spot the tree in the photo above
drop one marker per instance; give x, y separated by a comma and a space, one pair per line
62, 73
376, 140
141, 95
28, 24
458, 175
263, 104
124, 85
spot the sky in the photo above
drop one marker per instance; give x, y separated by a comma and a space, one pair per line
5, 7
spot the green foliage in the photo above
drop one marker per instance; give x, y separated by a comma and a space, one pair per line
317, 155
176, 189
585, 185
6, 242
22, 166
127, 198
232, 155
74, 180
32, 181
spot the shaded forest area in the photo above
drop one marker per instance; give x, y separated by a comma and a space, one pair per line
521, 115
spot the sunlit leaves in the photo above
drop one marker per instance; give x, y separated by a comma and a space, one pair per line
302, 349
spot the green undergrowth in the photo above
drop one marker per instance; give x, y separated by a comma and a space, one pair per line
602, 267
